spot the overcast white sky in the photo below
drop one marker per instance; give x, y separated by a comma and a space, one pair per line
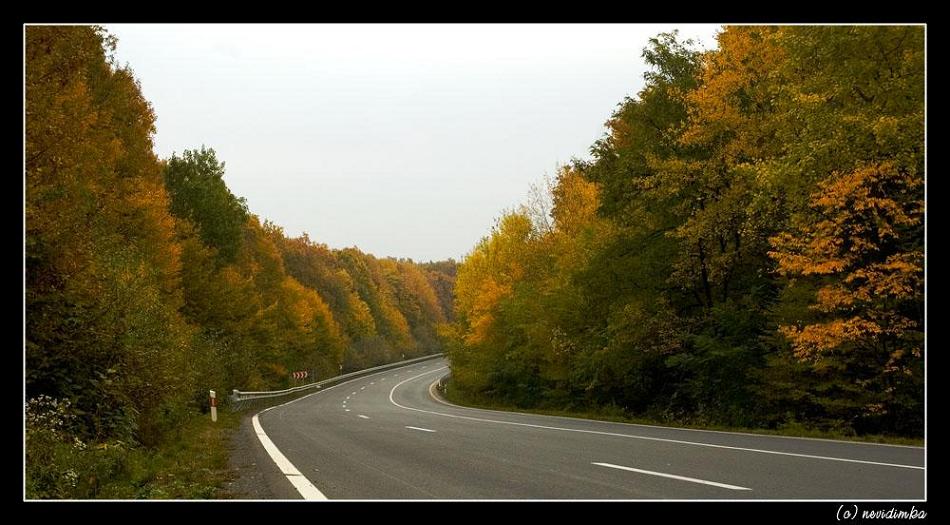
403, 140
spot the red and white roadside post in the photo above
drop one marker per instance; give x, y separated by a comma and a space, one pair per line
214, 406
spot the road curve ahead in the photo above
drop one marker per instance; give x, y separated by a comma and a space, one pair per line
385, 436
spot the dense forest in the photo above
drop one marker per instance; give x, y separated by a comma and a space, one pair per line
744, 246
148, 282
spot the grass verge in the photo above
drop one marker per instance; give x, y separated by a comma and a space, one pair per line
190, 463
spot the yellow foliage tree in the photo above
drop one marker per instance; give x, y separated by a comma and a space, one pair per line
868, 281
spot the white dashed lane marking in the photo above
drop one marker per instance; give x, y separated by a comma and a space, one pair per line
671, 476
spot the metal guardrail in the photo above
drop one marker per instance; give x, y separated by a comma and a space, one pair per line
240, 399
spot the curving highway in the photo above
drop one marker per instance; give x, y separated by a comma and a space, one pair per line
387, 436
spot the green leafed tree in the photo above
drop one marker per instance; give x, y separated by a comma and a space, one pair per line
195, 183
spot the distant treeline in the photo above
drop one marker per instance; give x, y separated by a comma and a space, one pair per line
148, 282
745, 246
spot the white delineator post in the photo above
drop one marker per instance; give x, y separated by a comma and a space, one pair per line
214, 406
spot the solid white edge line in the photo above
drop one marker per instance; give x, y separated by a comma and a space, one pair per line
422, 429
298, 480
672, 476
683, 429
631, 436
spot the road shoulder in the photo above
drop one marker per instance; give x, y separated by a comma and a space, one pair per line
255, 474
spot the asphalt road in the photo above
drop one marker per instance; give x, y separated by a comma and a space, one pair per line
385, 436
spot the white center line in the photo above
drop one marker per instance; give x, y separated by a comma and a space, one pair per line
372, 382
671, 476
362, 416
422, 429
353, 394
362, 388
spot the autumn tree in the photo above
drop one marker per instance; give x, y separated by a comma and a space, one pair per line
744, 247
102, 261
853, 253
441, 277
